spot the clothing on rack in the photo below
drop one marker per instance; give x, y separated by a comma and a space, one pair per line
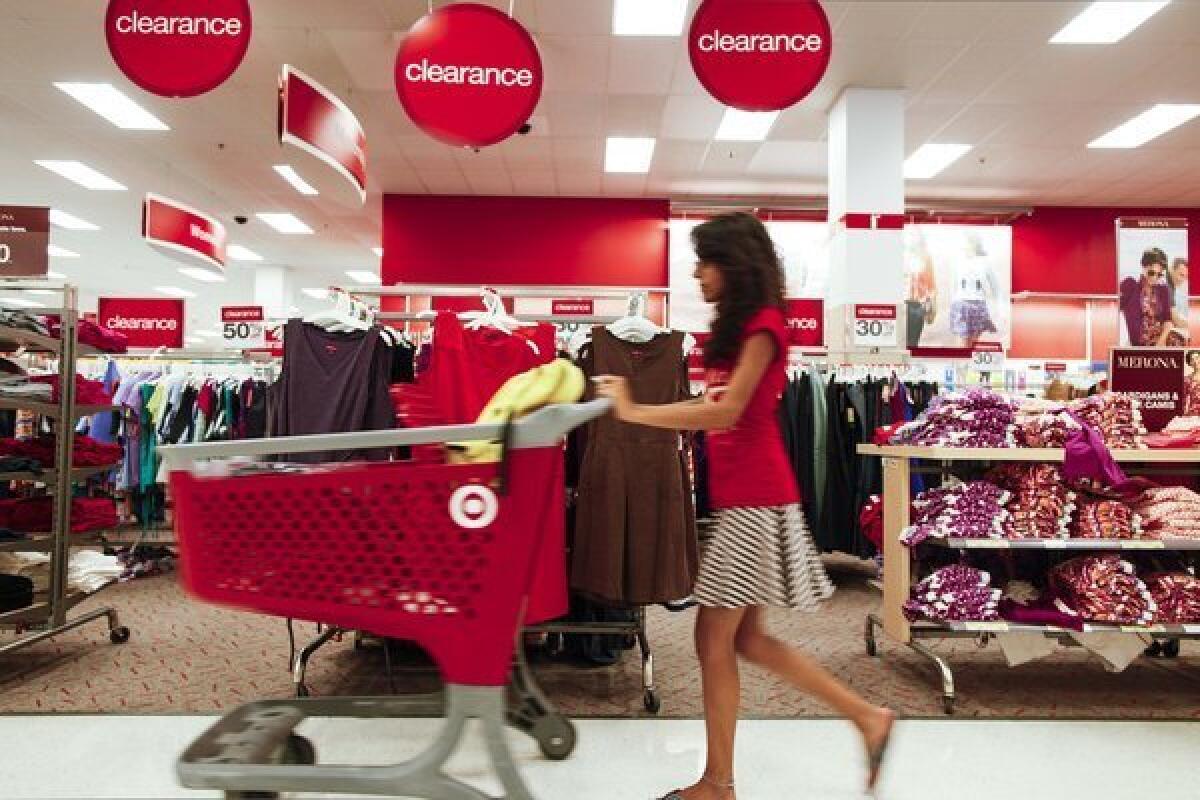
35, 514
106, 340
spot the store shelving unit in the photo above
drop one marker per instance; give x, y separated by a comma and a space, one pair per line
47, 616
898, 566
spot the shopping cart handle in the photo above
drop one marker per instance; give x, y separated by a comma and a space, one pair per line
542, 428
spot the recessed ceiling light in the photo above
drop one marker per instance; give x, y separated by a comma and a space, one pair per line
363, 276
285, 223
1150, 124
71, 222
930, 159
21, 302
316, 294
55, 251
628, 154
649, 17
114, 105
299, 184
239, 253
745, 126
174, 291
203, 275
1107, 22
82, 174
378, 251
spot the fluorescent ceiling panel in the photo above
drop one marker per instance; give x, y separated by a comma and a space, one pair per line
21, 302
61, 252
1107, 22
285, 223
363, 276
114, 105
43, 292
649, 17
202, 275
58, 276
930, 159
299, 184
71, 222
193, 340
1150, 124
239, 253
316, 294
745, 126
174, 291
628, 154
82, 174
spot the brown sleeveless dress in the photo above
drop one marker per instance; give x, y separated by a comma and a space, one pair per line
635, 531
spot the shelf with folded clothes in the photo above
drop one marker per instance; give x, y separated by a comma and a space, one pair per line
1047, 454
48, 409
1001, 626
40, 611
50, 476
1166, 543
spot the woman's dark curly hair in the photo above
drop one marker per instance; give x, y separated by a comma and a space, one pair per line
739, 246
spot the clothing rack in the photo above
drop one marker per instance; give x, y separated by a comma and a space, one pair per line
47, 617
898, 467
463, 290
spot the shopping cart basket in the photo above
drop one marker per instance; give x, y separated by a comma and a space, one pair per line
438, 554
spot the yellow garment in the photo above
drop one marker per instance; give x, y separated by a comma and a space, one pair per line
560, 381
157, 403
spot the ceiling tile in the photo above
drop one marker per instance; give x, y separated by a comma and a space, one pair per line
810, 159
691, 117
642, 65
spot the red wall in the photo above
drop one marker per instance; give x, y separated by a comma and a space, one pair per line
524, 240
1074, 250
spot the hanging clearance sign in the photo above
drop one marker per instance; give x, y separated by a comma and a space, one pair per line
318, 122
988, 357
468, 75
24, 241
874, 325
243, 327
760, 55
181, 231
178, 48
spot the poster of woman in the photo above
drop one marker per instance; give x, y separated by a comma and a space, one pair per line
1152, 281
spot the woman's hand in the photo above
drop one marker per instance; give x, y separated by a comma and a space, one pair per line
616, 388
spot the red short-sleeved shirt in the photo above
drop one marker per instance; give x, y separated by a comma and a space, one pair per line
748, 465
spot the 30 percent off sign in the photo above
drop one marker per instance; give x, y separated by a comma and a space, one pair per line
874, 325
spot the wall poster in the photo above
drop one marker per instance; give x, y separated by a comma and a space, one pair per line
1152, 281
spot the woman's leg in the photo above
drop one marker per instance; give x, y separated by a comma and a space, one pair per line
716, 629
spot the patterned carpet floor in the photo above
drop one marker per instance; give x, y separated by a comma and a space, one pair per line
188, 657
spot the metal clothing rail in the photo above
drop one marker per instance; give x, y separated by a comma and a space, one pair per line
426, 316
462, 290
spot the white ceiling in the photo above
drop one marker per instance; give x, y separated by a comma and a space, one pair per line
980, 73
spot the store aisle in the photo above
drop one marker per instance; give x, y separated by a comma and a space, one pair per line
133, 757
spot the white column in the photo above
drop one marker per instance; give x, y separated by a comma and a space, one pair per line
273, 291
866, 176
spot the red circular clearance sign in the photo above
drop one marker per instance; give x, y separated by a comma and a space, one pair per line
178, 48
468, 75
760, 55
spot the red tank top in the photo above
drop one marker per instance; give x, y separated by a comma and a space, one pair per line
748, 465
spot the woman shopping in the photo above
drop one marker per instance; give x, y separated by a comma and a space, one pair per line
761, 553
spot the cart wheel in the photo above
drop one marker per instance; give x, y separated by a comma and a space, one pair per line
1155, 649
555, 735
302, 690
251, 795
651, 701
1170, 648
119, 635
298, 750
948, 704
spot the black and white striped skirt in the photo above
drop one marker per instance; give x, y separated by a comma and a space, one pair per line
761, 556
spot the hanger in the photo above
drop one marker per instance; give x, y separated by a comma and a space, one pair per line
635, 326
494, 314
346, 316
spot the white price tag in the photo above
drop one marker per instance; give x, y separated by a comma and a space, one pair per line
874, 326
988, 360
243, 328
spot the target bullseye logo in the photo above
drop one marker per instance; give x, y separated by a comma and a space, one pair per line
474, 507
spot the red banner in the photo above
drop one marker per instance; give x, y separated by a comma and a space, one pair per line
181, 230
24, 239
315, 120
806, 321
573, 308
1155, 375
147, 321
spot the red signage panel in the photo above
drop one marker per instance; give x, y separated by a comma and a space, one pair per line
24, 239
180, 230
146, 321
573, 308
1155, 375
318, 122
806, 321
760, 55
1054, 366
468, 75
871, 311
178, 48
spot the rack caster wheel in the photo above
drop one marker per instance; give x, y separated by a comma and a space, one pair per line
302, 690
555, 735
1170, 648
652, 702
119, 635
947, 705
298, 750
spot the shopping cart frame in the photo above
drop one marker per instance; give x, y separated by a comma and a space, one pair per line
254, 751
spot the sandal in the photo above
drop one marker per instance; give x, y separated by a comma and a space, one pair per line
677, 794
876, 755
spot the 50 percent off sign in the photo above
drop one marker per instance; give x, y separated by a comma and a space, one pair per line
243, 327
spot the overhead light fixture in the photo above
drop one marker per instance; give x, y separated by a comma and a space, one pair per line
1150, 124
316, 294
42, 292
1107, 22
930, 159
54, 251
285, 223
378, 251
239, 253
21, 302
203, 275
114, 105
299, 184
82, 174
745, 126
174, 291
71, 222
363, 276
624, 154
649, 17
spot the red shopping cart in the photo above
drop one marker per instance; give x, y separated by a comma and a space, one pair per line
438, 554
